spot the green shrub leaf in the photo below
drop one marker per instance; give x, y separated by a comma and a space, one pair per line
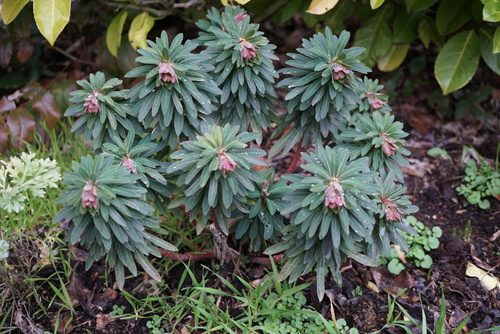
375, 36
486, 44
496, 41
491, 12
405, 27
51, 16
376, 3
319, 7
457, 62
114, 32
139, 28
427, 31
414, 5
394, 57
11, 8
451, 15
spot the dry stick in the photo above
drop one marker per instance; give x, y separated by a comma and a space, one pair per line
265, 260
296, 157
207, 254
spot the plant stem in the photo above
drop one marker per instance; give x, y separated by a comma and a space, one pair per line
207, 254
296, 158
265, 260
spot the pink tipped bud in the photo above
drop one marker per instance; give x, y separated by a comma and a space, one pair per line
339, 71
240, 17
89, 196
129, 163
392, 212
334, 198
389, 145
377, 103
226, 163
91, 104
247, 50
167, 73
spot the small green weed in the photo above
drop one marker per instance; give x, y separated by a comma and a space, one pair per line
479, 183
357, 291
425, 240
465, 234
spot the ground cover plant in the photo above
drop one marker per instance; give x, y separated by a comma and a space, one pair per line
171, 167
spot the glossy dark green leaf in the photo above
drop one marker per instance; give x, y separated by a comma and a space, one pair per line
457, 61
486, 39
452, 15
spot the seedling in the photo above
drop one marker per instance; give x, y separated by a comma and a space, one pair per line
480, 181
418, 246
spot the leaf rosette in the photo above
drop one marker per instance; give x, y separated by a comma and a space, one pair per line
378, 138
331, 215
137, 154
176, 93
243, 69
322, 85
107, 212
101, 110
216, 174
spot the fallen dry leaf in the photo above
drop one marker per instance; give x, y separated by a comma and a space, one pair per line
487, 281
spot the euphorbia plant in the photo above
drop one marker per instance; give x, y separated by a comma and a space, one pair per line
216, 174
176, 94
243, 69
106, 210
332, 213
322, 88
102, 115
348, 203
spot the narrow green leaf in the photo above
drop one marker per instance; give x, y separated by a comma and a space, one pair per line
11, 8
393, 58
139, 28
457, 62
51, 16
114, 32
491, 11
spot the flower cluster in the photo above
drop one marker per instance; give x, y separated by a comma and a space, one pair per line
89, 196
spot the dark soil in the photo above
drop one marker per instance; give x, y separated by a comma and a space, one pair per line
431, 185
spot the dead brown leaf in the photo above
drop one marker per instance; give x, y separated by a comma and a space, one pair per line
46, 105
21, 126
102, 320
24, 51
7, 104
6, 51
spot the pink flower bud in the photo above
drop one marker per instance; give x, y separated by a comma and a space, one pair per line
167, 73
377, 103
129, 163
226, 163
334, 198
389, 145
89, 196
392, 212
247, 50
339, 71
240, 17
91, 104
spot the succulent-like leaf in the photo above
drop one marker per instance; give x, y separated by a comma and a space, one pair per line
107, 213
177, 93
215, 174
243, 69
